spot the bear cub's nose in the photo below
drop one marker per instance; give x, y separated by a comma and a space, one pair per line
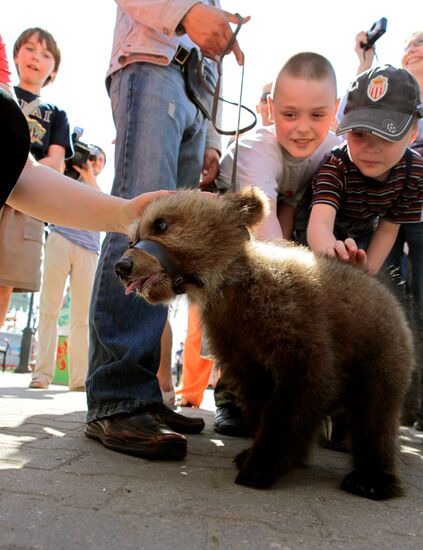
123, 268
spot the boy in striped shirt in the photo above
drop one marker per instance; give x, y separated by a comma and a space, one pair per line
365, 189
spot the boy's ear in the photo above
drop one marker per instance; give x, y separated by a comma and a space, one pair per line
251, 204
413, 136
50, 78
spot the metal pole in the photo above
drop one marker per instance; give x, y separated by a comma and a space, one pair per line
26, 343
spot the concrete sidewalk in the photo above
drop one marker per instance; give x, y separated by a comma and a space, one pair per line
61, 490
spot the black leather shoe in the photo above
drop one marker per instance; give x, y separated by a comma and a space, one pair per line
418, 425
179, 422
230, 421
143, 434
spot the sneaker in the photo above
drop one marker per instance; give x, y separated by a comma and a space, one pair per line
38, 384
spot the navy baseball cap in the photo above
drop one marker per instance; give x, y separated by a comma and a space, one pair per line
383, 101
14, 144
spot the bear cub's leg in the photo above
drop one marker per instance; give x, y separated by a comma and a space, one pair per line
287, 424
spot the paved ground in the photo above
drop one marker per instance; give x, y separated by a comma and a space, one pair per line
60, 490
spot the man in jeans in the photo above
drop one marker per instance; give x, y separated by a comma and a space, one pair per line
161, 143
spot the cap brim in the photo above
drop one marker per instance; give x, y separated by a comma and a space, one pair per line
14, 144
389, 125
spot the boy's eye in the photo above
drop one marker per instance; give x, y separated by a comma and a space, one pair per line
288, 114
318, 115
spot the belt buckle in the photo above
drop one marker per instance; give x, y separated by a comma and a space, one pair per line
181, 56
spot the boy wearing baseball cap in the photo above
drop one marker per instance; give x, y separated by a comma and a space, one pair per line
365, 189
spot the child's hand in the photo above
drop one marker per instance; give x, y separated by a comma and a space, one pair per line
348, 251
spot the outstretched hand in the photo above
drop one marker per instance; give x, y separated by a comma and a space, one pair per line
347, 251
210, 29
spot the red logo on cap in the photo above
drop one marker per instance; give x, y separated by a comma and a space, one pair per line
377, 88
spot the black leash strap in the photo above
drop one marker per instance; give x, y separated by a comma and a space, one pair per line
217, 98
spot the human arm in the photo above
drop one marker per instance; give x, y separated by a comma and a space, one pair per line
54, 158
322, 240
48, 195
381, 244
286, 217
207, 26
365, 57
210, 168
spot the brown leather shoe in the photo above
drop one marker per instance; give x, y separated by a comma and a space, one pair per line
143, 434
179, 422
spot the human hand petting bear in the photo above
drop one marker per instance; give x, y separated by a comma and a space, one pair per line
348, 251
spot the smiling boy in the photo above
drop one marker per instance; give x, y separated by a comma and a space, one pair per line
366, 189
281, 159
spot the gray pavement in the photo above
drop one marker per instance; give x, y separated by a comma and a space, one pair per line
61, 490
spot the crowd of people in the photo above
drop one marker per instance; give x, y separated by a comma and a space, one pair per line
347, 182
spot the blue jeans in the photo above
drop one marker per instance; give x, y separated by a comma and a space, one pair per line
410, 270
160, 144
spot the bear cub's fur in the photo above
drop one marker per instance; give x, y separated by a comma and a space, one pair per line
297, 334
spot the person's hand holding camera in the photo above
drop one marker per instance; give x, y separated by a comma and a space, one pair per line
87, 174
365, 56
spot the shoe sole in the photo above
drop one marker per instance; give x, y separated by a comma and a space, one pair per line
232, 432
167, 450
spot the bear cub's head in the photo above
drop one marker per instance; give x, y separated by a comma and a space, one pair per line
188, 241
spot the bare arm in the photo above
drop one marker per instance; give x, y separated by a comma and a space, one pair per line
210, 168
269, 229
286, 217
48, 195
54, 158
320, 235
365, 57
381, 244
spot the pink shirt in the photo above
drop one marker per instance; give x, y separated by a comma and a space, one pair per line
4, 65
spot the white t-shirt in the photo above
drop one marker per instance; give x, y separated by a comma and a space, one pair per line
262, 162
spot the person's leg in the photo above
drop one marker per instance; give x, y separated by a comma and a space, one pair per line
151, 115
5, 294
84, 263
196, 369
164, 374
414, 237
56, 269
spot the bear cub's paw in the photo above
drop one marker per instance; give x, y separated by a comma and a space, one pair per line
253, 473
376, 485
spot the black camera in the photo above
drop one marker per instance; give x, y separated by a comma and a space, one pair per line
377, 30
82, 153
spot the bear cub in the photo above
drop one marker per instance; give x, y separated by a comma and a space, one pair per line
298, 334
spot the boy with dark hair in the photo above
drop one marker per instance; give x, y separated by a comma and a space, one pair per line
367, 188
37, 59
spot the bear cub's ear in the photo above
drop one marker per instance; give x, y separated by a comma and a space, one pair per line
252, 204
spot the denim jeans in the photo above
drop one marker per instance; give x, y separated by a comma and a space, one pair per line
410, 270
160, 144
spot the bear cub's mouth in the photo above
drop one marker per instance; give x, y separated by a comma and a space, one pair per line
138, 285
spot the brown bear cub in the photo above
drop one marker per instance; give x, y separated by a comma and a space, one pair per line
298, 334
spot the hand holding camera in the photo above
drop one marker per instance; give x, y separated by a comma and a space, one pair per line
377, 30
83, 152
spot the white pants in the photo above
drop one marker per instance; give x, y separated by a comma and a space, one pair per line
63, 258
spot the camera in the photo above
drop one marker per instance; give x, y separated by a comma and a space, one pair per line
82, 153
377, 30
